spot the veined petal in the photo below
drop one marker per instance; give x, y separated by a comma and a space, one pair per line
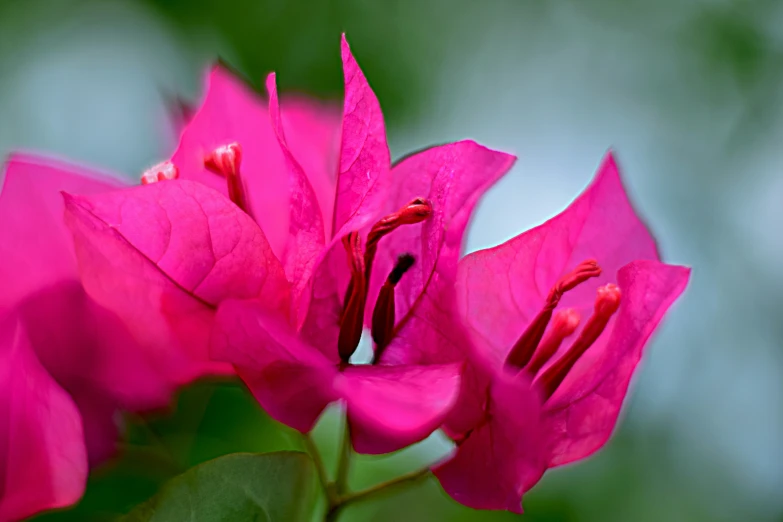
363, 178
193, 235
83, 346
230, 113
306, 226
391, 407
36, 249
583, 411
363, 183
170, 324
313, 131
291, 381
42, 452
452, 177
504, 456
502, 288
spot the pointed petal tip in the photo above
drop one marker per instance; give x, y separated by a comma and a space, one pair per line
609, 165
271, 83
511, 158
386, 407
345, 51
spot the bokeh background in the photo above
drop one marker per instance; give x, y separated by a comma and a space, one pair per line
688, 93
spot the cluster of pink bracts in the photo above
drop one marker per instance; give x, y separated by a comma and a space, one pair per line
264, 246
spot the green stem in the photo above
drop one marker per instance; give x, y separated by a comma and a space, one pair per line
312, 449
406, 479
336, 508
344, 462
337, 495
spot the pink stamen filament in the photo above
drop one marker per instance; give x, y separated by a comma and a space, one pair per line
383, 316
523, 349
564, 323
606, 304
353, 312
352, 316
163, 171
416, 211
226, 161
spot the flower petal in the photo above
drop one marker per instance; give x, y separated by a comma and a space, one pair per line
503, 457
35, 246
502, 288
231, 112
453, 177
93, 356
82, 345
391, 407
292, 381
170, 324
195, 236
583, 411
42, 453
312, 131
363, 177
306, 226
363, 182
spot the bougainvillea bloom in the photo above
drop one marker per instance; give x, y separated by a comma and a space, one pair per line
291, 221
43, 460
85, 349
557, 319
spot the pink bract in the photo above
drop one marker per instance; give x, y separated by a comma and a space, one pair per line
86, 348
90, 352
43, 459
508, 430
306, 182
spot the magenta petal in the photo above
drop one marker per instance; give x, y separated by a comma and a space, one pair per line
306, 226
453, 177
291, 381
312, 131
83, 346
35, 246
231, 112
195, 236
502, 288
91, 354
584, 410
170, 325
501, 458
42, 453
363, 177
362, 189
391, 407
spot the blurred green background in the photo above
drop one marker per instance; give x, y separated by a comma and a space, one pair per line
690, 95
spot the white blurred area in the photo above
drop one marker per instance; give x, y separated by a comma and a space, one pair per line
85, 82
557, 86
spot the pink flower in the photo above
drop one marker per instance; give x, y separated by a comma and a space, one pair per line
392, 223
555, 321
74, 344
43, 461
297, 254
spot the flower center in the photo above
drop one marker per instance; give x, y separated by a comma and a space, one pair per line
225, 161
383, 315
352, 318
606, 304
160, 172
534, 349
524, 348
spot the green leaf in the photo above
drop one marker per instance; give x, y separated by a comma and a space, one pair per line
259, 487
